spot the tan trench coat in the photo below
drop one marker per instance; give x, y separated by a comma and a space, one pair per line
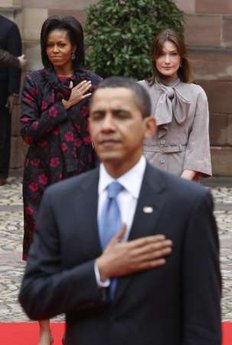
182, 138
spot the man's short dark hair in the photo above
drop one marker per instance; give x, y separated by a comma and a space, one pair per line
141, 97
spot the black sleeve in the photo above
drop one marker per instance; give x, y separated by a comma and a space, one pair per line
14, 47
6, 59
201, 279
48, 289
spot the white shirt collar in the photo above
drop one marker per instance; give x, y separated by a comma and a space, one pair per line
131, 180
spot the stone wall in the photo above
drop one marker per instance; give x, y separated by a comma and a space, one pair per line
208, 31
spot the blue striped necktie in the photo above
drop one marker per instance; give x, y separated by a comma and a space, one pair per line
110, 221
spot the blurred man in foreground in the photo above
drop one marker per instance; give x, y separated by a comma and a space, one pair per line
100, 254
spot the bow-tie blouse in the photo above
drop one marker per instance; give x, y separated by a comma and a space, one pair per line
182, 138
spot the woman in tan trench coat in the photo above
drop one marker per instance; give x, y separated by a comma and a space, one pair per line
181, 144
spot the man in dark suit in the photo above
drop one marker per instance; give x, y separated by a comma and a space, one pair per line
10, 41
126, 291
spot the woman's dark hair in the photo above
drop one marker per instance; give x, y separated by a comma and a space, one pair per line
184, 71
75, 34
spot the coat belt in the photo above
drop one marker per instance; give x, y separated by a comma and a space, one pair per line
165, 148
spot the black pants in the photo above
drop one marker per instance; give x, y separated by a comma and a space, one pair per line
5, 135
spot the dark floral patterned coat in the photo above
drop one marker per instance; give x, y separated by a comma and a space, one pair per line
58, 139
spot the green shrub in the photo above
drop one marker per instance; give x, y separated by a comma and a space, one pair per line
119, 34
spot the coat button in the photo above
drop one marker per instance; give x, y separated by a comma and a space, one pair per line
162, 142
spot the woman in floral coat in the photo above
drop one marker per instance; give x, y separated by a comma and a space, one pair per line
55, 109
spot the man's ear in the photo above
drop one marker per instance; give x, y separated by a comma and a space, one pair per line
151, 127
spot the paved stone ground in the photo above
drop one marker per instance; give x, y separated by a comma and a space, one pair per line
12, 267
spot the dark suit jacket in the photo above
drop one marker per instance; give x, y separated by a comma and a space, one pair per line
6, 59
10, 40
177, 304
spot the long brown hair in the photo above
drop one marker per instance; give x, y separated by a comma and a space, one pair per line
184, 71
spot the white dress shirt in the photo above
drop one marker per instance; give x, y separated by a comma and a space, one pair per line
127, 198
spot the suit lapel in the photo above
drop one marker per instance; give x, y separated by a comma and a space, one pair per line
86, 216
148, 211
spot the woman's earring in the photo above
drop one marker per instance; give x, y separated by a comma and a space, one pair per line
73, 56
